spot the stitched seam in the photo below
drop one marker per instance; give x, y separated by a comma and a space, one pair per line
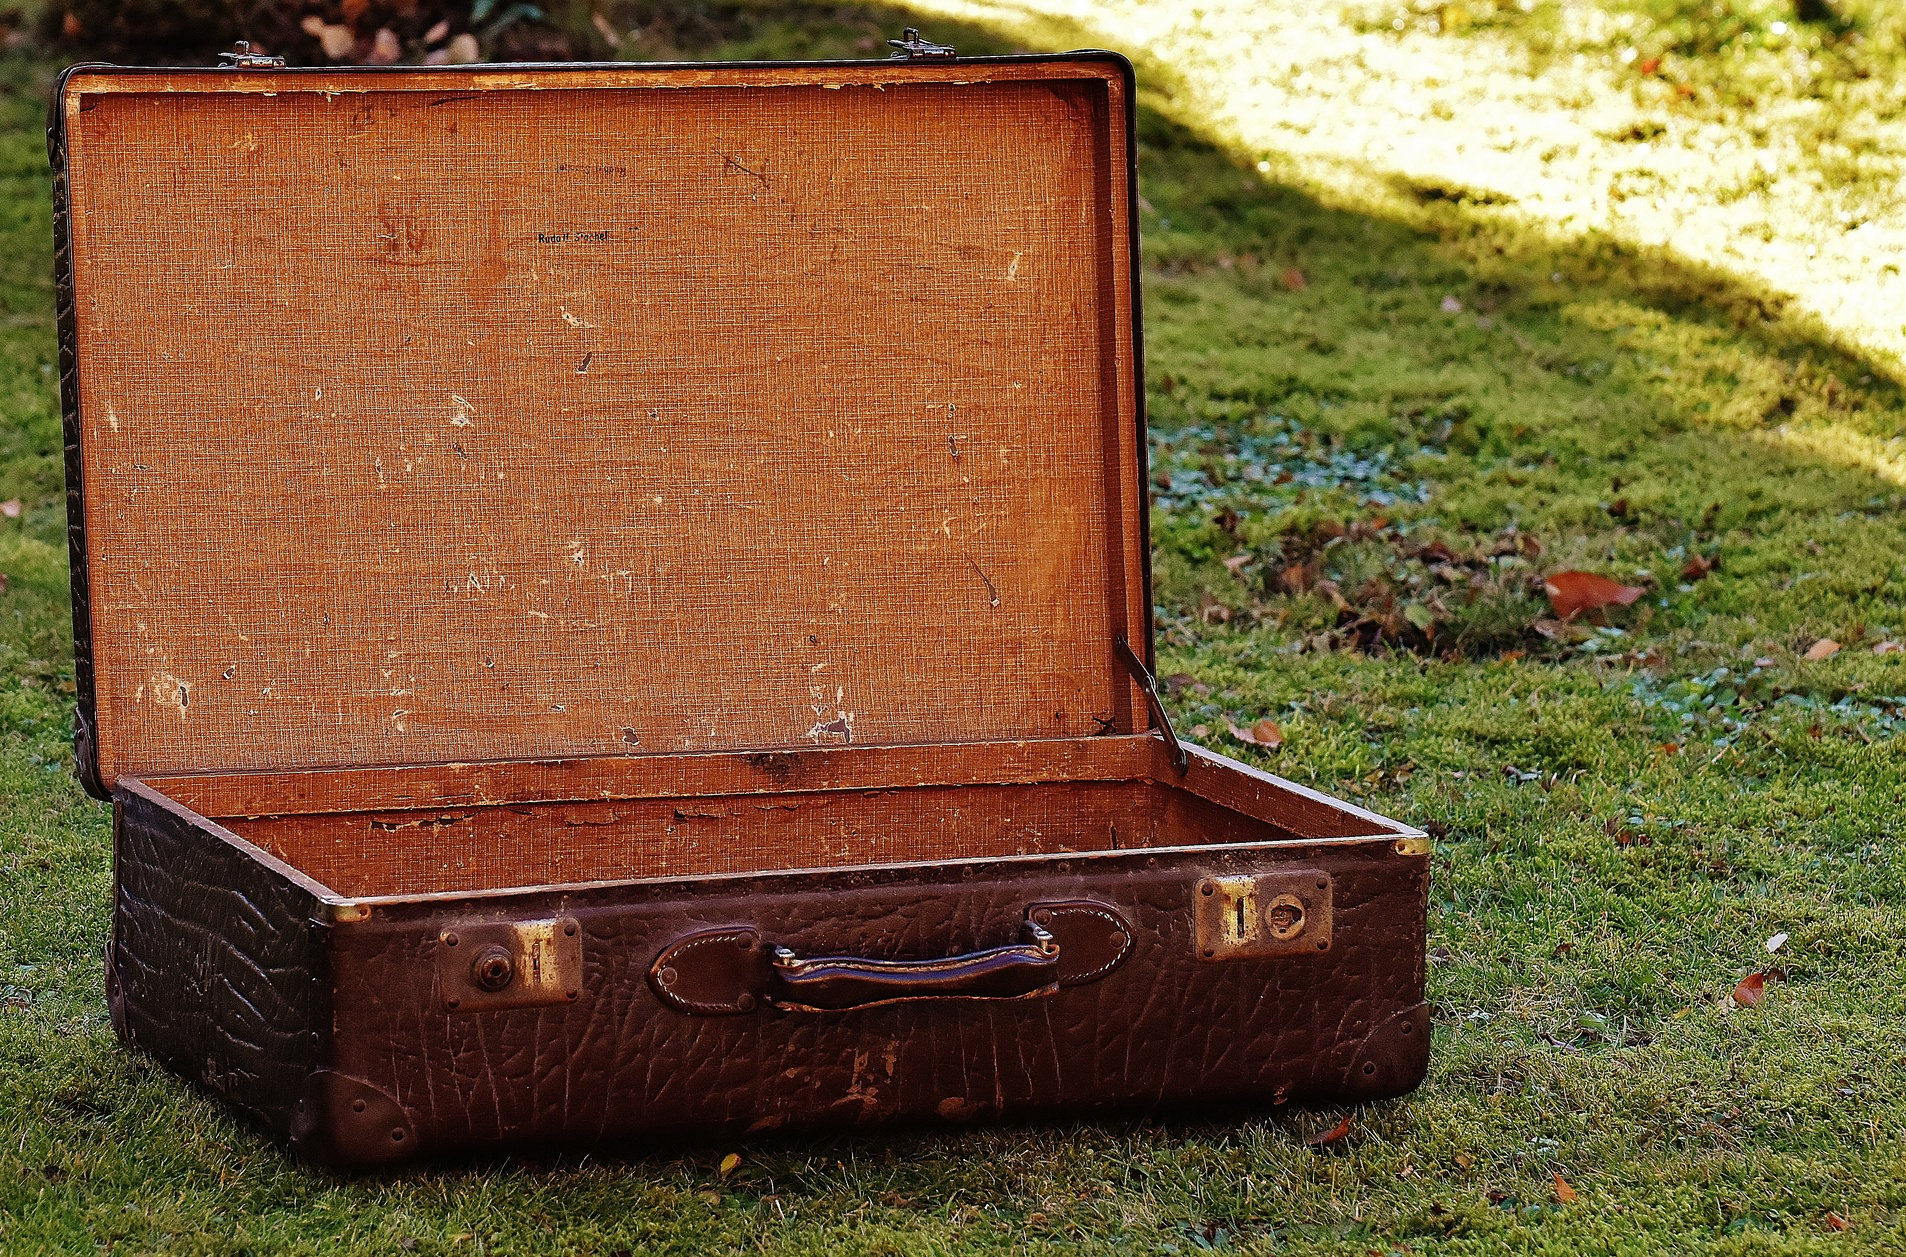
682, 949
1116, 924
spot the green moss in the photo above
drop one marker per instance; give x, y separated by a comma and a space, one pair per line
1625, 819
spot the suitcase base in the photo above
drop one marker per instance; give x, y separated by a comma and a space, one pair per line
384, 963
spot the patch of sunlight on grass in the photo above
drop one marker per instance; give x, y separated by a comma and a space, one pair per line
1569, 138
1836, 443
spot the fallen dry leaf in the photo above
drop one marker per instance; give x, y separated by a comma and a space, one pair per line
1237, 563
1698, 566
1571, 593
11, 508
1825, 648
1563, 1192
1329, 589
1775, 943
464, 50
1752, 990
728, 1164
385, 48
1559, 631
337, 41
1264, 733
1331, 1136
1888, 648
1835, 1222
1293, 279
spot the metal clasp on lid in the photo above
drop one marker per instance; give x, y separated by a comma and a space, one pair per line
910, 47
241, 57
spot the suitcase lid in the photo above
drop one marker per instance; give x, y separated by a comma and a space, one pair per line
516, 412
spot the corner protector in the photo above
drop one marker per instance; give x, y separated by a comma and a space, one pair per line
342, 1120
1419, 845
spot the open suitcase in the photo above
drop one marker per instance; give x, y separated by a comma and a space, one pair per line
613, 601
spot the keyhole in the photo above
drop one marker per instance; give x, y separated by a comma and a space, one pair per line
1239, 906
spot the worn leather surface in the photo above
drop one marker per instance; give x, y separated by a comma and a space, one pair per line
216, 967
1165, 1028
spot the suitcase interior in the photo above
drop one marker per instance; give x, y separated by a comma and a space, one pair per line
408, 833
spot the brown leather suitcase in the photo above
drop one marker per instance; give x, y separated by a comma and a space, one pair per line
603, 596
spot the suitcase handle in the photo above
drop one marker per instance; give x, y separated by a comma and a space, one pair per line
733, 970
831, 984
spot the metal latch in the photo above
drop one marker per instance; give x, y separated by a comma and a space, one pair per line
485, 965
910, 47
1287, 913
241, 57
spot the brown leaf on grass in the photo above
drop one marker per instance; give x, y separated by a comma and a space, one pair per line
1752, 990
1330, 590
1264, 733
1563, 1192
1571, 593
1835, 1222
11, 508
1888, 648
610, 35
1825, 648
463, 50
1296, 578
1325, 1138
1237, 563
1698, 566
385, 48
1529, 546
1556, 630
337, 41
729, 1164
1293, 279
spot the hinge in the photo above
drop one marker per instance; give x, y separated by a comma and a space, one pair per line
241, 57
910, 47
1149, 683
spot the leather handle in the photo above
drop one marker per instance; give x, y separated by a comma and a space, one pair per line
829, 984
732, 970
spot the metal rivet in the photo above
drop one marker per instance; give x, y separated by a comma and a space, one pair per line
449, 940
668, 977
397, 1136
357, 1106
1042, 917
1369, 1067
1207, 889
746, 941
569, 930
746, 1002
1323, 885
452, 1003
1323, 944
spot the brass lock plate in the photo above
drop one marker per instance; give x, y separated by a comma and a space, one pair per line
1247, 916
487, 965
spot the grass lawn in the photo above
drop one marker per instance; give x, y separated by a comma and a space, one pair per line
1441, 299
